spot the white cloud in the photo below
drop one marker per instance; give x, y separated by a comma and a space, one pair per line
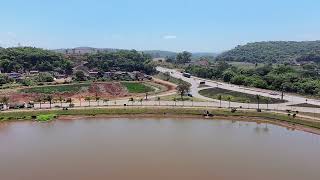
169, 37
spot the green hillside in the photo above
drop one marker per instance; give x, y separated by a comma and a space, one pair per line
274, 52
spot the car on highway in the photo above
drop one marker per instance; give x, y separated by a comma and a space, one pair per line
187, 75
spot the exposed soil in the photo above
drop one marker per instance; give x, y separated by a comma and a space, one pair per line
105, 90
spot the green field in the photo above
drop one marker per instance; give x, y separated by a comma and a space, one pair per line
237, 96
45, 117
135, 87
177, 97
74, 88
169, 78
305, 105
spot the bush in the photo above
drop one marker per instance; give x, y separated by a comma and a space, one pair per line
44, 77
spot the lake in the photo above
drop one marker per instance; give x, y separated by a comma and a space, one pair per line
152, 149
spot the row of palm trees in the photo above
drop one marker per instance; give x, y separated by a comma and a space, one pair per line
51, 99
44, 99
258, 98
220, 98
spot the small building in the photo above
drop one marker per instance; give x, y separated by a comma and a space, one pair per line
93, 73
59, 76
108, 74
159, 59
202, 62
14, 75
34, 72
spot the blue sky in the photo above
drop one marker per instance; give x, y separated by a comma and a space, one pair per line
176, 25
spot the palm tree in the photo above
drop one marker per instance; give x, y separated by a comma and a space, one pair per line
158, 99
39, 99
229, 98
131, 100
49, 98
5, 101
220, 98
141, 100
98, 100
60, 100
88, 98
80, 98
175, 101
267, 101
69, 100
258, 100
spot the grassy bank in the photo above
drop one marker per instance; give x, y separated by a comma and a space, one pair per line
167, 77
31, 115
136, 87
70, 88
177, 97
240, 97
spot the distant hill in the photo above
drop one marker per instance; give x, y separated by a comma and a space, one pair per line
84, 50
160, 54
203, 54
153, 53
274, 52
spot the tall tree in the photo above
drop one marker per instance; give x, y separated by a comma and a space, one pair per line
258, 100
229, 98
49, 98
5, 100
184, 57
88, 98
182, 89
220, 99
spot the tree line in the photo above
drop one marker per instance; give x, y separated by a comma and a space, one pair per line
304, 80
124, 60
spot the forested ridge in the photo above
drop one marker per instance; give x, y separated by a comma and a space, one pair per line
274, 52
22, 59
124, 60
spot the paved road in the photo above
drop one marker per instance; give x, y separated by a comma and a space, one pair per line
292, 99
194, 81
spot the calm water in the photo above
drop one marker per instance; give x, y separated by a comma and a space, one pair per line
152, 149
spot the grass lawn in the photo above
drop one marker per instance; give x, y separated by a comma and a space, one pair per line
56, 89
178, 98
305, 105
136, 87
171, 79
237, 96
46, 117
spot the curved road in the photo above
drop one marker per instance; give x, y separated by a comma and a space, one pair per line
291, 99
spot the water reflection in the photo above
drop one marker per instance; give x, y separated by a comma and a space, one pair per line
156, 149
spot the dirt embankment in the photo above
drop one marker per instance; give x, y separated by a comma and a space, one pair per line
104, 90
170, 86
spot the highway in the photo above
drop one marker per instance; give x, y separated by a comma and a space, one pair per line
291, 99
